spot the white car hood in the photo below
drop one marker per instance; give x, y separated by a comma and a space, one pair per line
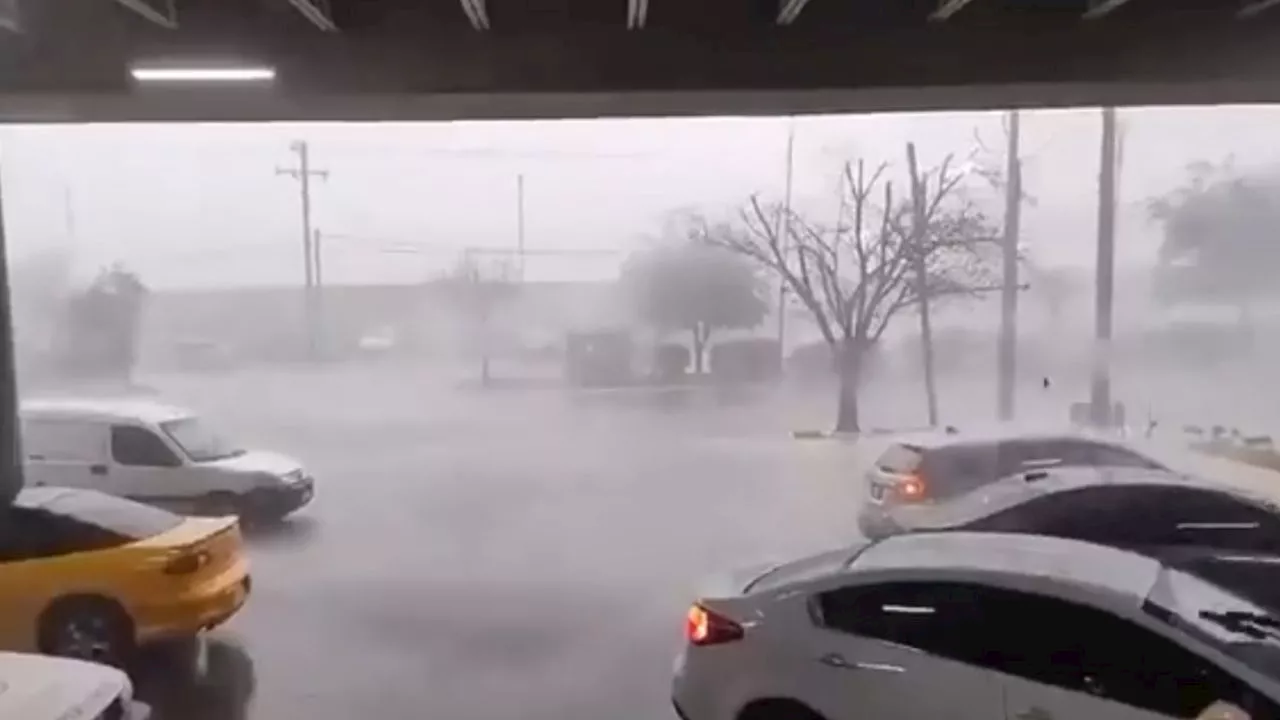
257, 461
39, 687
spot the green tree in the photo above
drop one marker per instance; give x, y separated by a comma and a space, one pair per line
102, 325
695, 288
1219, 244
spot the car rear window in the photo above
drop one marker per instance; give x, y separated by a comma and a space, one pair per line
957, 469
123, 517
900, 459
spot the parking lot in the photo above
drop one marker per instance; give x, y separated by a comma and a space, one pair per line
487, 555
518, 552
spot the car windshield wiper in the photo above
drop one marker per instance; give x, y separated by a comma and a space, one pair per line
1256, 626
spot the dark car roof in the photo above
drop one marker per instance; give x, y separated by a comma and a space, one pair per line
1011, 492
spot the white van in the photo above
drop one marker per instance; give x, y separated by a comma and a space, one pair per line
39, 687
156, 454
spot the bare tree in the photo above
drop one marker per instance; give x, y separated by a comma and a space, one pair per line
478, 293
885, 255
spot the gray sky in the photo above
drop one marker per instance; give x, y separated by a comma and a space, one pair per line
202, 205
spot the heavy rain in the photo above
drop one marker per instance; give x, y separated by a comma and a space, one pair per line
549, 376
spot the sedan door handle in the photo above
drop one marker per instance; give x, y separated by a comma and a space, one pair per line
836, 660
98, 469
1034, 713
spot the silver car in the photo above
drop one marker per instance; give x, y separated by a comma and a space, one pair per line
930, 468
974, 626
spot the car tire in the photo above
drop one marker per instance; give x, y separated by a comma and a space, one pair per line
778, 709
87, 628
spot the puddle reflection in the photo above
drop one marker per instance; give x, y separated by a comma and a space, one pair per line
189, 682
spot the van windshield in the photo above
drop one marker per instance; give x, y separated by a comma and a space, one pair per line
199, 441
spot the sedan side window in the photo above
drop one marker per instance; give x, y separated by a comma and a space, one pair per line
139, 447
1098, 514
1111, 456
1082, 649
1041, 639
30, 533
931, 617
1215, 519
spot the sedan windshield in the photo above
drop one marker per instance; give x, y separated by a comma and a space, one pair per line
198, 441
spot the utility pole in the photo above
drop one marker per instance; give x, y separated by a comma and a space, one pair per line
1100, 396
303, 174
11, 460
520, 226
784, 240
69, 214
921, 269
318, 283
1007, 373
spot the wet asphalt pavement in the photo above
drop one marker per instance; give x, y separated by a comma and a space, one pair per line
514, 554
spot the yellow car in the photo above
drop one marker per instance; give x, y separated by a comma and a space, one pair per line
92, 576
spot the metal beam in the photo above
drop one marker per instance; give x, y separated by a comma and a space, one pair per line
947, 8
10, 16
637, 12
789, 10
477, 12
1256, 7
1103, 8
317, 11
166, 16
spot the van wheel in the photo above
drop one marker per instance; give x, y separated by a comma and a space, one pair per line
220, 504
87, 628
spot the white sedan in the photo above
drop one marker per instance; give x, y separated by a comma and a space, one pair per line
974, 626
37, 687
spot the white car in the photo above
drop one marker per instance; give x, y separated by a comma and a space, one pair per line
156, 454
38, 687
974, 626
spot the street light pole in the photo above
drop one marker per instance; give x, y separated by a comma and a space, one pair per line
520, 248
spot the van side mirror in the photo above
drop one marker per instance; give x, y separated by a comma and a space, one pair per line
1222, 710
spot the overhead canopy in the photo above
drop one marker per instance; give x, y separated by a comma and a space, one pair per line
371, 59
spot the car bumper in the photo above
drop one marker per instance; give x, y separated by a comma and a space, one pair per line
136, 710
875, 523
280, 501
193, 612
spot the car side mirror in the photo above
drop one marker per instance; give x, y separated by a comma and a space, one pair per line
1222, 710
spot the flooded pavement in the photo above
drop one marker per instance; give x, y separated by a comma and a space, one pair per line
475, 555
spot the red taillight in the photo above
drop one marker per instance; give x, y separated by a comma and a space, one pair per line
186, 564
703, 627
910, 488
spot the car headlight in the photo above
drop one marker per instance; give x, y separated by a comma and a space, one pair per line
290, 478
